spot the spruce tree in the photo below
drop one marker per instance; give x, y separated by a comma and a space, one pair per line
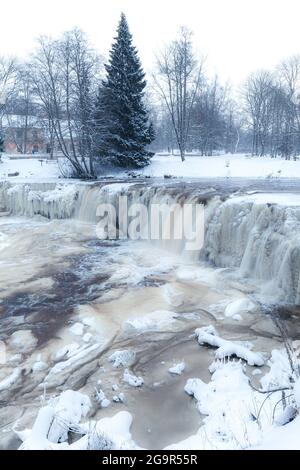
123, 127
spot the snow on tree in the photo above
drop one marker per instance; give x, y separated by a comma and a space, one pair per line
122, 120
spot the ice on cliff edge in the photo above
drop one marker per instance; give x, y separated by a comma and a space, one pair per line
260, 236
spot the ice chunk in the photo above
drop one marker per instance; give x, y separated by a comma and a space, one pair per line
177, 369
132, 379
122, 358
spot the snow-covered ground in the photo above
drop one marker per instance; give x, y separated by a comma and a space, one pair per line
224, 166
28, 169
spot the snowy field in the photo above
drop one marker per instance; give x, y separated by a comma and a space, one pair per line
28, 169
223, 166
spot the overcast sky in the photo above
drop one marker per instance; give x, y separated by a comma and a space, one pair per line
238, 36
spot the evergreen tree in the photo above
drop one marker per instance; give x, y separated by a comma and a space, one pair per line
122, 121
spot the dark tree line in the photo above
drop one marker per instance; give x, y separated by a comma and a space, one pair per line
197, 113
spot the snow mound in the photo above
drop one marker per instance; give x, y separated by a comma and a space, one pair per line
282, 437
230, 407
54, 421
64, 414
225, 348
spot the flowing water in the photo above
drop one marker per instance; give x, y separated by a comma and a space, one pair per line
141, 296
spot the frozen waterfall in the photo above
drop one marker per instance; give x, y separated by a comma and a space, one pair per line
258, 235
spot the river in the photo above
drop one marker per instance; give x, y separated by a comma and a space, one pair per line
69, 300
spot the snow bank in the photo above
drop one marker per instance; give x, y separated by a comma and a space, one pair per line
208, 335
280, 373
29, 169
226, 166
230, 407
64, 414
122, 358
54, 421
282, 437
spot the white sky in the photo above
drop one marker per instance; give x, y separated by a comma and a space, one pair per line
238, 36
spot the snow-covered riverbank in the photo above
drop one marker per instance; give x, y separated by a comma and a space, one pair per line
221, 166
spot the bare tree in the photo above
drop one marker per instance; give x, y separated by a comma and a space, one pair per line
258, 95
177, 81
208, 117
7, 79
64, 72
21, 109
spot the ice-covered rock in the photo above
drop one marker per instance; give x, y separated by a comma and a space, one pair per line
177, 369
77, 329
260, 235
22, 341
10, 380
122, 358
132, 379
